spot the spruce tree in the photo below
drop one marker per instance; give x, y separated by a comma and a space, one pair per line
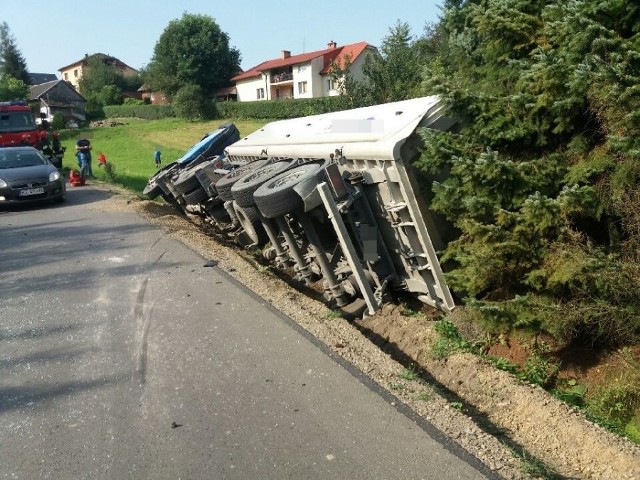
12, 63
543, 182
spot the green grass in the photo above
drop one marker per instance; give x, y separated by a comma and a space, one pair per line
129, 148
409, 373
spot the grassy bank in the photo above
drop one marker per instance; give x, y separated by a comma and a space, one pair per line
129, 147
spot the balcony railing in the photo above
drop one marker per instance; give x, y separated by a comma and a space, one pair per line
282, 77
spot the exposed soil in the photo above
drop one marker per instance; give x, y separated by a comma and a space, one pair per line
518, 430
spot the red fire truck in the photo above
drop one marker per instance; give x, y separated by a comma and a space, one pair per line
18, 126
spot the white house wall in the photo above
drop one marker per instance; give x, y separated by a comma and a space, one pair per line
356, 71
357, 66
247, 89
302, 73
317, 88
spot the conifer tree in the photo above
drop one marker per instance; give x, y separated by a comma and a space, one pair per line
395, 74
12, 63
543, 182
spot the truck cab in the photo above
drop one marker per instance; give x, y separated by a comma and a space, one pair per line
18, 125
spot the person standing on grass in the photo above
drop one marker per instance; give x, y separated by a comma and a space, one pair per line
83, 160
156, 156
83, 152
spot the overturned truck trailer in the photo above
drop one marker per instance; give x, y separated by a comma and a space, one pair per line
332, 199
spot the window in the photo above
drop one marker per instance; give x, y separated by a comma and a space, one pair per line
66, 75
260, 93
302, 87
75, 73
330, 84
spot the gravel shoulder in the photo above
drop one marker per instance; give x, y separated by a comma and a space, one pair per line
518, 430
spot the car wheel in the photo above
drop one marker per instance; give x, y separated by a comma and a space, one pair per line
243, 189
60, 199
276, 197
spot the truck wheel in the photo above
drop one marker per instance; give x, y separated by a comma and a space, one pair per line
276, 196
199, 195
152, 190
188, 181
223, 186
193, 163
243, 189
251, 224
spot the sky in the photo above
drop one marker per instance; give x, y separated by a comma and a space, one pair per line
51, 34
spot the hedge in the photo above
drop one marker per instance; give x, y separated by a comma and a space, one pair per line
148, 112
272, 109
283, 109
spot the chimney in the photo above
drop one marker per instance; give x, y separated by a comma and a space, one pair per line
285, 54
332, 45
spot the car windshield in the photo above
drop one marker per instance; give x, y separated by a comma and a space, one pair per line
20, 158
16, 122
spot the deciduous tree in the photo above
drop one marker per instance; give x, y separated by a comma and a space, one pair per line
192, 51
103, 83
12, 89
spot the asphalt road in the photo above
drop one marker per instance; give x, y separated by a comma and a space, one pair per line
123, 356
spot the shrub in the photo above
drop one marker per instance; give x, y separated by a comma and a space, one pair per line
133, 101
190, 103
110, 95
94, 108
541, 177
147, 112
58, 122
109, 172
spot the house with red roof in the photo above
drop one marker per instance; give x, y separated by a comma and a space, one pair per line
305, 75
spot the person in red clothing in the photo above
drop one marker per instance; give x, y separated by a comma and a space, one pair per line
102, 160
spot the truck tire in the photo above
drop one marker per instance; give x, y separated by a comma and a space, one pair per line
251, 224
194, 163
276, 196
152, 190
223, 186
207, 175
243, 189
187, 181
196, 197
